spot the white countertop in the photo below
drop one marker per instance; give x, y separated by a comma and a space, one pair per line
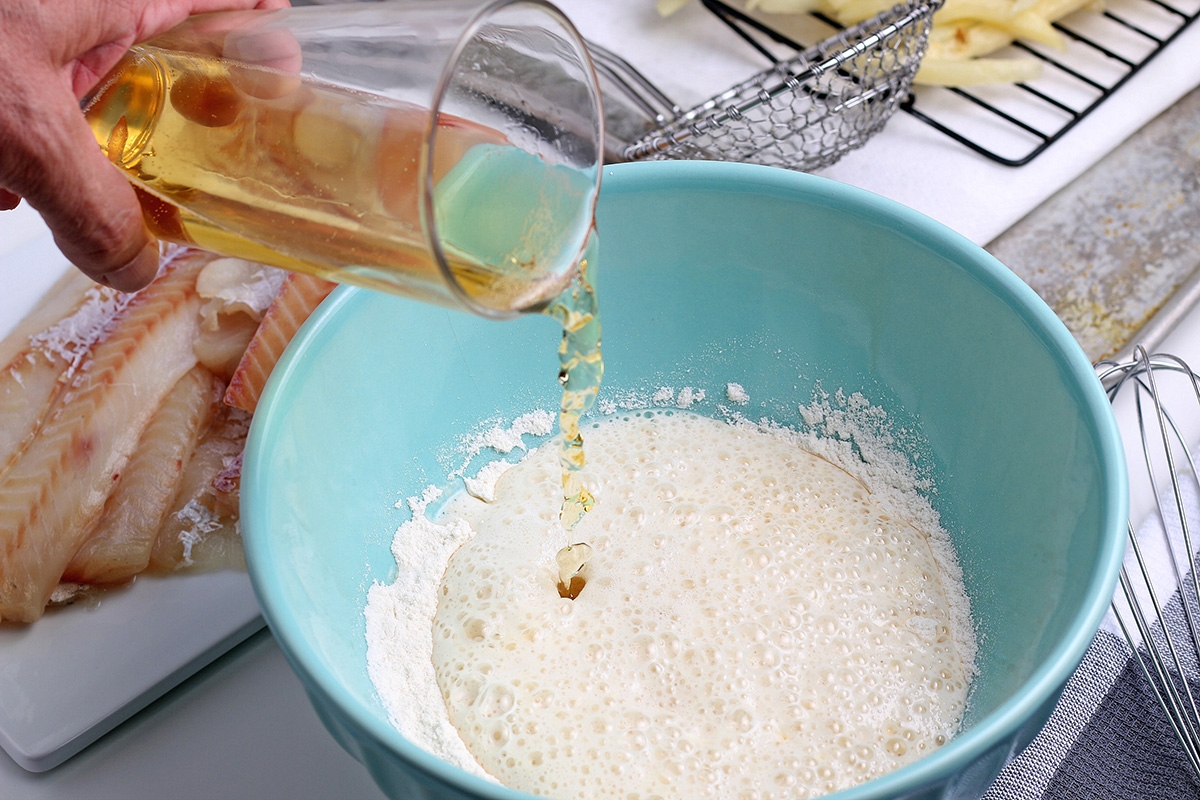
242, 728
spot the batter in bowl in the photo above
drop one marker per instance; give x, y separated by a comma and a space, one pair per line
753, 623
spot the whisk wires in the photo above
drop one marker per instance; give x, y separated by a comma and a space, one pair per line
1166, 651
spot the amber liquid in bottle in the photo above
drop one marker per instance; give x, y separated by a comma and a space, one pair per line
229, 157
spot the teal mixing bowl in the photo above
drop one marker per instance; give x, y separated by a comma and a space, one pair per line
712, 273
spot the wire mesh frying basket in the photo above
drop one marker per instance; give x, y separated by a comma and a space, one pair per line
803, 113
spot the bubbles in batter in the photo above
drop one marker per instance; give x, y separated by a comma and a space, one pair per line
571, 561
754, 625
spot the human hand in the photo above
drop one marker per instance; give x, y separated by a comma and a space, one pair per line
51, 55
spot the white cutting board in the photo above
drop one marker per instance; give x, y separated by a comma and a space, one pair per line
80, 671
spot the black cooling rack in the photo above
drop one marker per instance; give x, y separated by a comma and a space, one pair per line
1012, 124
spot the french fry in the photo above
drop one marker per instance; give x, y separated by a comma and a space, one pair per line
668, 7
783, 6
966, 40
964, 33
977, 71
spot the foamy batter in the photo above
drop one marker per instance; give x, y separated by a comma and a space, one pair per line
754, 624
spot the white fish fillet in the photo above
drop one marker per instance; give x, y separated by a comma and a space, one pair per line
201, 532
297, 299
39, 357
52, 495
119, 545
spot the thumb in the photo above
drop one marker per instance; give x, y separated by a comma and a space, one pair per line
87, 203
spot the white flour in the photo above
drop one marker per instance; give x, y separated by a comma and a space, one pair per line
845, 430
72, 337
737, 394
400, 645
688, 397
503, 438
418, 504
483, 485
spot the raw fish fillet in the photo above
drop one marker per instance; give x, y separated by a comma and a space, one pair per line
221, 348
236, 286
201, 532
118, 547
227, 487
297, 298
39, 358
59, 302
53, 494
237, 294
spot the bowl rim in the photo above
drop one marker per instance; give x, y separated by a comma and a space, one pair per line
993, 729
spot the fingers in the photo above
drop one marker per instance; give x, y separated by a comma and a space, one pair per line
156, 16
271, 48
264, 58
134, 274
49, 156
271, 57
88, 204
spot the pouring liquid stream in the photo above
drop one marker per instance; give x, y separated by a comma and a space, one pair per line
581, 370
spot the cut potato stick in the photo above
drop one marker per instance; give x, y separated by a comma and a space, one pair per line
1055, 10
784, 6
977, 71
668, 7
962, 31
966, 40
1026, 24
1033, 28
855, 11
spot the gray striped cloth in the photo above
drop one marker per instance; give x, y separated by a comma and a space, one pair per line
1108, 738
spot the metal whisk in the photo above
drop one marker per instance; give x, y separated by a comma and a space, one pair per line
802, 113
1157, 604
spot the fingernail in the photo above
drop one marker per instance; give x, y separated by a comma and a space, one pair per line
137, 272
